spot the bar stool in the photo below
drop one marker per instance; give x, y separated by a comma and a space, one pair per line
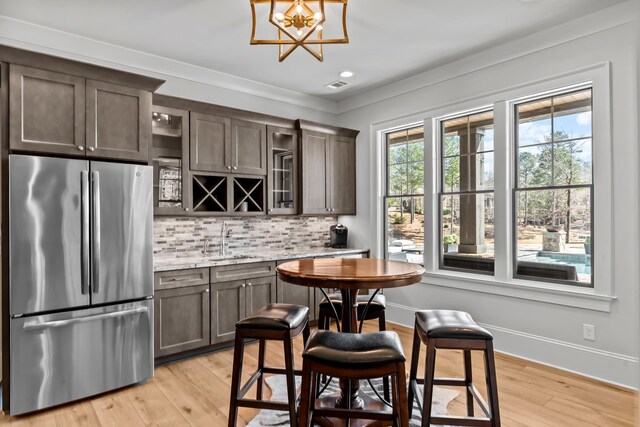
376, 310
353, 357
277, 322
453, 330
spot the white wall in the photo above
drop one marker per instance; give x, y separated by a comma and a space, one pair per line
545, 332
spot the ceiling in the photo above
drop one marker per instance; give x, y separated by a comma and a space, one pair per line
389, 39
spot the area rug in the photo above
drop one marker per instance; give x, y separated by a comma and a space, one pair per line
277, 383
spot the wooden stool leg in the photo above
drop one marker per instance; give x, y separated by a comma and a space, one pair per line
395, 401
291, 379
236, 377
468, 379
429, 374
382, 325
413, 373
306, 332
492, 384
306, 394
403, 408
261, 350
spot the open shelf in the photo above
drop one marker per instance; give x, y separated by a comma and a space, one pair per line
249, 191
209, 193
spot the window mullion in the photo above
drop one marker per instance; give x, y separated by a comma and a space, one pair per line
431, 189
503, 216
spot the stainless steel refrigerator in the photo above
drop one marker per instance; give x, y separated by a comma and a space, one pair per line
80, 279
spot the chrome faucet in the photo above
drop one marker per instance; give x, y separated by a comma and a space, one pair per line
225, 233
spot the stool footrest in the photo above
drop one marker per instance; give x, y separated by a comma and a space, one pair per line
260, 372
460, 421
353, 413
263, 404
455, 382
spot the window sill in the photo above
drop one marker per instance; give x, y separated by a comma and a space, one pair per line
523, 289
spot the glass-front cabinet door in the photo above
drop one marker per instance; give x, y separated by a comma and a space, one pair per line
169, 154
282, 152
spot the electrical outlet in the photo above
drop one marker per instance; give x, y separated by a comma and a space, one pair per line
589, 332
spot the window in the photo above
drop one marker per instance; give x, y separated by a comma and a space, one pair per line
554, 189
466, 193
404, 196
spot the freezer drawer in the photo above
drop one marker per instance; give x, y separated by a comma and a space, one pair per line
61, 357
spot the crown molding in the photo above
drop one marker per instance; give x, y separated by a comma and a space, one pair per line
38, 38
593, 23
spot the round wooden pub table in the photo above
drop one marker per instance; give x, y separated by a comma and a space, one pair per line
350, 275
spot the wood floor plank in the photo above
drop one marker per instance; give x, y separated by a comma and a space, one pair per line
195, 392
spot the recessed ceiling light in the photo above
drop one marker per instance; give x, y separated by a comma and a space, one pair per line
346, 74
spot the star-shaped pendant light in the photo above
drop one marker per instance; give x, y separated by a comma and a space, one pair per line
299, 24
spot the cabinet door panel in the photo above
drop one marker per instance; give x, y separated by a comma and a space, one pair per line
282, 171
342, 173
210, 143
228, 306
181, 319
47, 111
295, 294
118, 122
249, 147
314, 173
260, 292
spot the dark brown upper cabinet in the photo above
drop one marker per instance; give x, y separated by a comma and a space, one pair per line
342, 175
315, 195
282, 171
118, 121
328, 170
46, 111
170, 158
248, 147
210, 143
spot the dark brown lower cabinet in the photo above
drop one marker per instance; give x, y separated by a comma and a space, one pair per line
259, 292
227, 307
296, 294
233, 301
181, 319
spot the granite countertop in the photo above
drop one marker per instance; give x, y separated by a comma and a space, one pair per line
237, 257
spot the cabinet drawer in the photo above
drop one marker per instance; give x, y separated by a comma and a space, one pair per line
181, 278
242, 271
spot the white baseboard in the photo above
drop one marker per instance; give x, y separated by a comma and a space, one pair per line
613, 368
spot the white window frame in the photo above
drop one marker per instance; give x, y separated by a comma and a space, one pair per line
598, 298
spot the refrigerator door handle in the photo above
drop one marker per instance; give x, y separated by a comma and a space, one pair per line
95, 181
35, 326
84, 261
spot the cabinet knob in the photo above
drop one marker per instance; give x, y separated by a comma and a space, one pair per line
206, 291
270, 210
244, 284
186, 209
91, 148
249, 284
228, 167
81, 148
235, 167
328, 210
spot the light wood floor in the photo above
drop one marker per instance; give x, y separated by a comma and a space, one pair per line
196, 392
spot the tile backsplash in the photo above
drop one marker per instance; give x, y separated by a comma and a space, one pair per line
184, 237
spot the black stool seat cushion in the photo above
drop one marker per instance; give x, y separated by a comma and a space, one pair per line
276, 316
379, 301
449, 324
356, 350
